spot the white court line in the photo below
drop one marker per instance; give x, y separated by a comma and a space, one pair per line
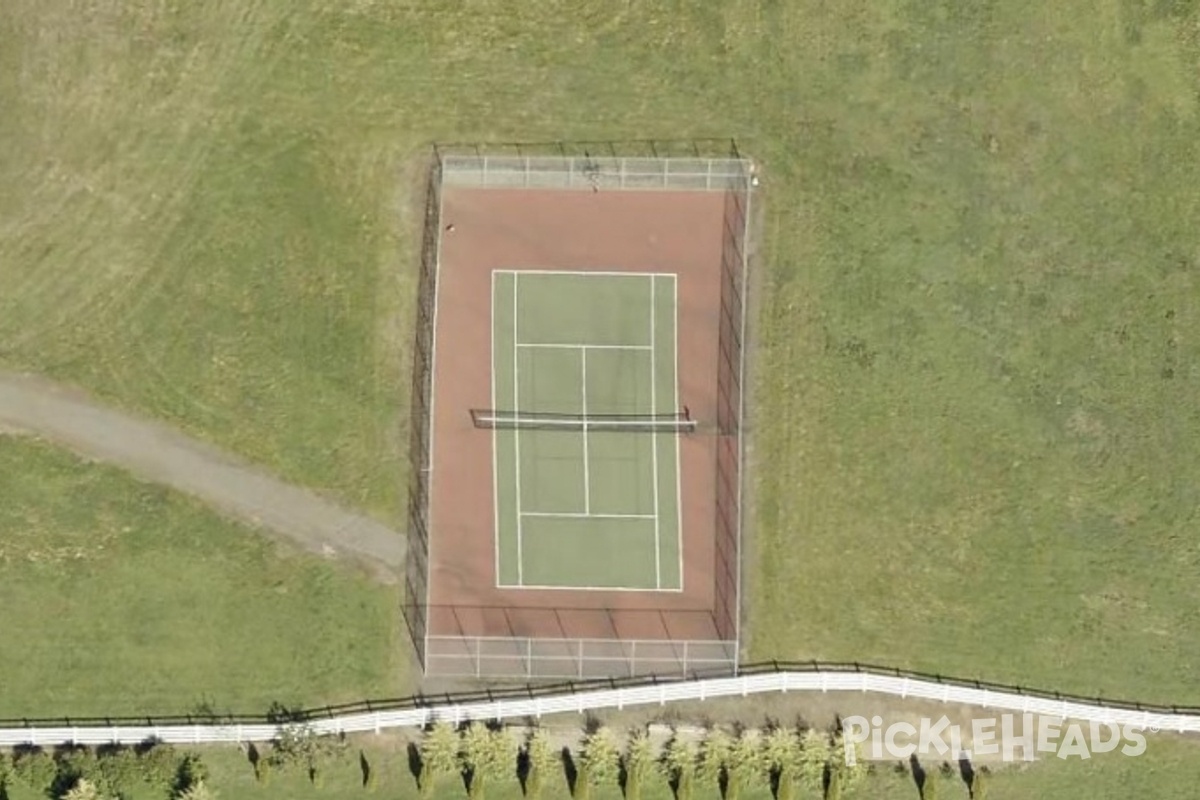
570, 346
495, 454
654, 440
678, 458
597, 272
675, 384
577, 515
542, 587
517, 433
587, 480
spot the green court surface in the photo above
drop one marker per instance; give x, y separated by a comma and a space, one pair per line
586, 507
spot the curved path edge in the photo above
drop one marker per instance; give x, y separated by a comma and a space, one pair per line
160, 454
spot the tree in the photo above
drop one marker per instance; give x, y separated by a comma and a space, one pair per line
599, 760
487, 755
298, 745
191, 772
979, 785
850, 775
781, 756
119, 770
638, 763
541, 762
439, 755
813, 758
745, 770
83, 790
679, 766
197, 791
715, 753
158, 764
834, 790
34, 768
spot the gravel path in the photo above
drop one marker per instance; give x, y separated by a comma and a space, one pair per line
160, 454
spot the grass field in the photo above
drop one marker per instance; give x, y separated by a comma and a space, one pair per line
1171, 764
974, 395
122, 598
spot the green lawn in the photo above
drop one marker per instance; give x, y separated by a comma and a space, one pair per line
974, 397
123, 598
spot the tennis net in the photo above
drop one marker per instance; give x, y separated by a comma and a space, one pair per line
677, 422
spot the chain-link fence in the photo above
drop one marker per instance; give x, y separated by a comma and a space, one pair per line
595, 173
419, 455
529, 659
587, 644
730, 406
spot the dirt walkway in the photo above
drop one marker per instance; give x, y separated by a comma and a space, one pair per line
154, 452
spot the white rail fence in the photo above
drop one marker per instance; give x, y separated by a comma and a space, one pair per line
619, 698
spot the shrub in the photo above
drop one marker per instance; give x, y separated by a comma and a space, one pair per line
439, 755
84, 790
715, 756
120, 770
197, 791
600, 758
638, 763
745, 770
781, 757
487, 755
34, 768
834, 790
542, 763
979, 784
850, 775
158, 764
679, 766
262, 771
191, 771
814, 757
299, 746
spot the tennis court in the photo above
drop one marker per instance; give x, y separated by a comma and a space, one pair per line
586, 420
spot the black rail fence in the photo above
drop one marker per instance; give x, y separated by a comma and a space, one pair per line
531, 691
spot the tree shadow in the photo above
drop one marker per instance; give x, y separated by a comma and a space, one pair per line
524, 765
918, 773
415, 763
467, 774
569, 769
364, 767
966, 771
143, 747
